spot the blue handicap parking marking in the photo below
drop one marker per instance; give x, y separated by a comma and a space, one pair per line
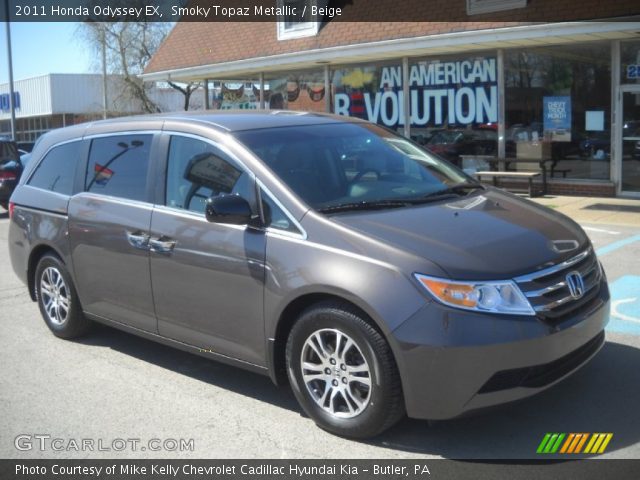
625, 305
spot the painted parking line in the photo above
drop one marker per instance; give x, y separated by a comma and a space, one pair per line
599, 230
625, 305
612, 247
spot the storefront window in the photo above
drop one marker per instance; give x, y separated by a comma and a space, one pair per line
453, 102
558, 109
299, 91
234, 95
630, 63
630, 77
371, 92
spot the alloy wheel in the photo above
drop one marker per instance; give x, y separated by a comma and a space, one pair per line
336, 373
55, 296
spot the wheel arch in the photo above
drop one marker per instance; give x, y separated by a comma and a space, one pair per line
34, 257
287, 318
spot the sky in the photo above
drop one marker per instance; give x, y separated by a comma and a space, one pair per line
40, 48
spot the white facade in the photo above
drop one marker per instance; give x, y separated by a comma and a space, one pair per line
81, 94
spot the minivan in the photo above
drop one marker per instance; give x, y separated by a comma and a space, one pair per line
329, 253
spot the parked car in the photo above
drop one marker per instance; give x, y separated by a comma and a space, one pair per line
324, 251
451, 144
10, 169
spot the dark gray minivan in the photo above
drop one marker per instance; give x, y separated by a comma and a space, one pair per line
373, 276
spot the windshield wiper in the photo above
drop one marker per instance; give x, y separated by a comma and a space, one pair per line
365, 205
456, 189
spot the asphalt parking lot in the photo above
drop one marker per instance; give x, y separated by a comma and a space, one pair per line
113, 385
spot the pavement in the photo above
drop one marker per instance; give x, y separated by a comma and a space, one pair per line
613, 211
111, 385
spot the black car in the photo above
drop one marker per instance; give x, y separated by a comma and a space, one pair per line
10, 169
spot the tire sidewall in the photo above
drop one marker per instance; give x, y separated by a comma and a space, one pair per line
374, 413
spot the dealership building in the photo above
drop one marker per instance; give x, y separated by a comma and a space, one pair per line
563, 92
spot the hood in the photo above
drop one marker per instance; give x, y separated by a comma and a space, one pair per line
489, 235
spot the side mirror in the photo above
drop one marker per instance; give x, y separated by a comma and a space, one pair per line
231, 209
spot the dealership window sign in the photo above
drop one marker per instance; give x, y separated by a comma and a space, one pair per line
633, 72
557, 118
5, 103
458, 92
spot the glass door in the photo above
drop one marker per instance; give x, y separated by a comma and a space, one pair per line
630, 165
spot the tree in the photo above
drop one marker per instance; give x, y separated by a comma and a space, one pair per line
186, 89
129, 47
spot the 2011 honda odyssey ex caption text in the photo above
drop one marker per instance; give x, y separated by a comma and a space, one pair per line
375, 277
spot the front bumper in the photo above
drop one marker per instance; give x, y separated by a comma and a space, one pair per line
453, 361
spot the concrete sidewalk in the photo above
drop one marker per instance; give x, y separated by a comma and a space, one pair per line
613, 211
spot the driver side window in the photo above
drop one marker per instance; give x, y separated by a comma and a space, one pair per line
197, 170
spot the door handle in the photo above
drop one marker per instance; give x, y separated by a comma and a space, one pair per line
138, 240
162, 244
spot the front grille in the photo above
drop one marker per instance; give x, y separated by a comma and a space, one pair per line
548, 292
540, 375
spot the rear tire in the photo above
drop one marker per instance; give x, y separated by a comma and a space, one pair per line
58, 300
342, 372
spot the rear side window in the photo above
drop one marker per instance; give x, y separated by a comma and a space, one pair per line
56, 171
197, 170
118, 166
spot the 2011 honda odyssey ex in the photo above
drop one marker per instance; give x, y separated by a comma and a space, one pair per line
375, 277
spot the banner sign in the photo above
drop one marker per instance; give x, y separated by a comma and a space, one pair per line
556, 113
441, 93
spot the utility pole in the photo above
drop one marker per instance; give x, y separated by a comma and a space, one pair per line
104, 70
12, 105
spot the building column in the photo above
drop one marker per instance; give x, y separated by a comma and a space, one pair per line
327, 89
617, 122
262, 103
207, 102
406, 100
501, 105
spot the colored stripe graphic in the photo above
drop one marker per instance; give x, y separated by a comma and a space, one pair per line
598, 443
573, 443
550, 443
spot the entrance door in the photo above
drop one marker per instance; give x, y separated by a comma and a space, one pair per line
630, 164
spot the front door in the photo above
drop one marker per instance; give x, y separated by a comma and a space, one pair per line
207, 278
630, 164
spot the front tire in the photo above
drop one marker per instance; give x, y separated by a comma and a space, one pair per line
58, 300
342, 372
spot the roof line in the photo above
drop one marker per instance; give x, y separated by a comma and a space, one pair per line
389, 47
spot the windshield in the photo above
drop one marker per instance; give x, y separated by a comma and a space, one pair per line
345, 164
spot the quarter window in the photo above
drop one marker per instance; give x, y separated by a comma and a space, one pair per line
197, 170
56, 171
118, 166
275, 216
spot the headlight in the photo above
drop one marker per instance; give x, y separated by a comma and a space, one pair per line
494, 297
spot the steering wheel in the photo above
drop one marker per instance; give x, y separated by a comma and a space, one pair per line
362, 173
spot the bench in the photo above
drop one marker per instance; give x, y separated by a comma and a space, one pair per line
563, 171
526, 175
